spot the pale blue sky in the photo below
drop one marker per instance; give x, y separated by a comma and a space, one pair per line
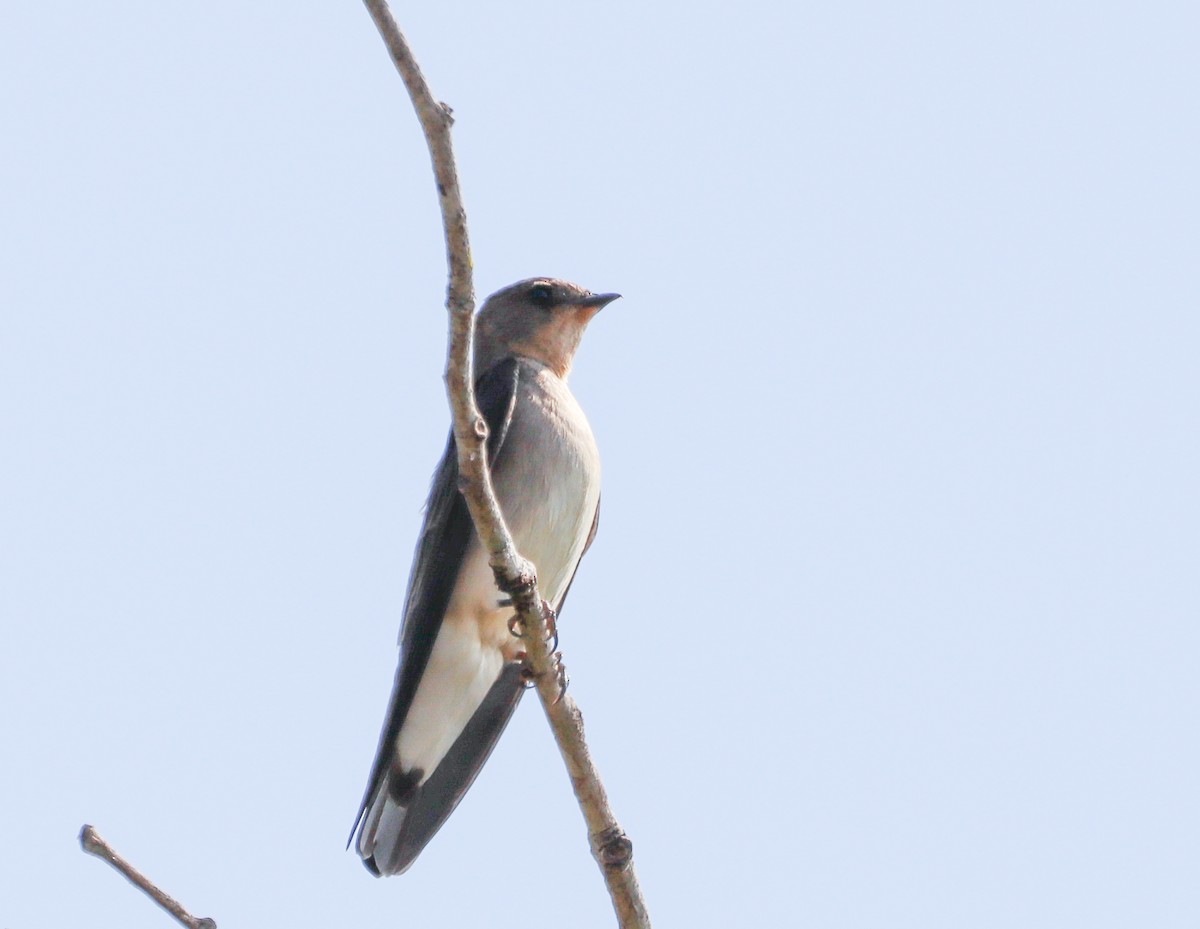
892, 620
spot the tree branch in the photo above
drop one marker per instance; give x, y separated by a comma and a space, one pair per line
91, 842
514, 575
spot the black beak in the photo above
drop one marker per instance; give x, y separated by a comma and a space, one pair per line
599, 300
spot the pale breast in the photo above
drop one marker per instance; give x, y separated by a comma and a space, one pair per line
548, 478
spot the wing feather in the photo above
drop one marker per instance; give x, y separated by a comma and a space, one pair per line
445, 536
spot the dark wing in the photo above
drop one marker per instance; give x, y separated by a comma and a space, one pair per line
446, 533
436, 799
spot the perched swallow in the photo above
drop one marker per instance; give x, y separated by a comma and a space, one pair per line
459, 678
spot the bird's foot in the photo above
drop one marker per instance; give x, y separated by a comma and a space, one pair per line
517, 629
557, 667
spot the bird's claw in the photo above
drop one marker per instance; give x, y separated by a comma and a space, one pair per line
558, 668
551, 620
516, 629
560, 675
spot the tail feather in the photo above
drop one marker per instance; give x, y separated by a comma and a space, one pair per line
400, 819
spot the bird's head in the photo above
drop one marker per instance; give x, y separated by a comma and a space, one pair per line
539, 318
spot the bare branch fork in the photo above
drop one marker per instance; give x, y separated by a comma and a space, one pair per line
514, 575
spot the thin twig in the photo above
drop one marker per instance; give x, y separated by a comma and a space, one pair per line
91, 842
514, 575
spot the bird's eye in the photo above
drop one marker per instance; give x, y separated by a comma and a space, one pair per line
541, 294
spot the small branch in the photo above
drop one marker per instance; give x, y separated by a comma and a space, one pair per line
611, 848
514, 575
91, 842
470, 428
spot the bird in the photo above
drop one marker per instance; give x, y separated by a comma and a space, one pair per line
460, 673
